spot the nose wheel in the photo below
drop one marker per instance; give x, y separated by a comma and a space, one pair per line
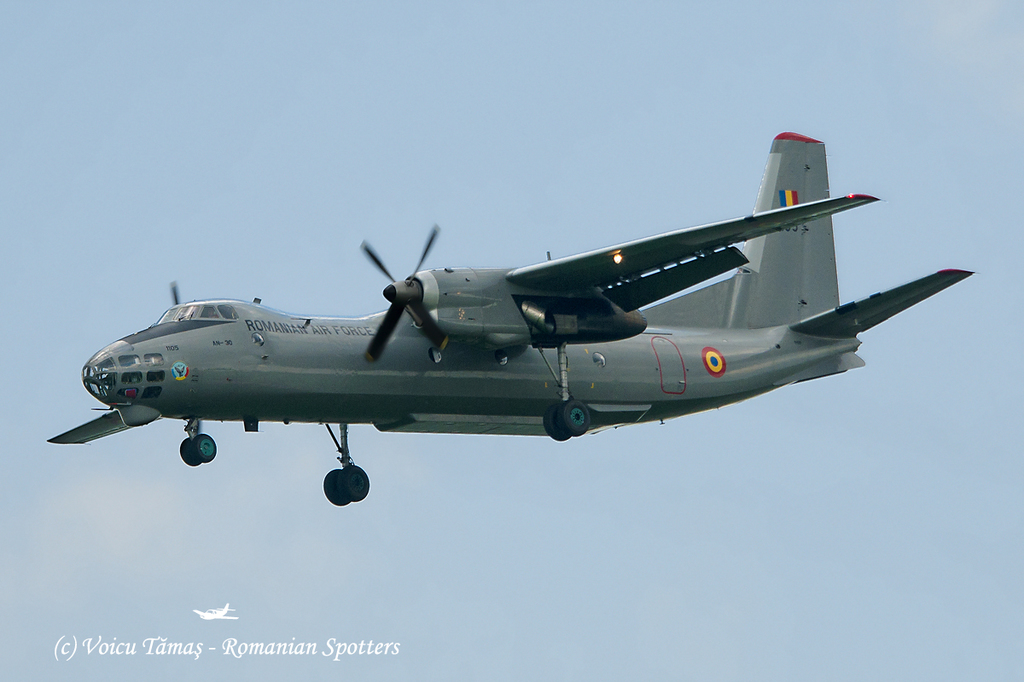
349, 483
198, 448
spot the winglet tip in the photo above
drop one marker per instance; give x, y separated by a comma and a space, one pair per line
797, 137
956, 271
862, 197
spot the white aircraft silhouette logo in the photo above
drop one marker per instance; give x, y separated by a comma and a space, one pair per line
213, 614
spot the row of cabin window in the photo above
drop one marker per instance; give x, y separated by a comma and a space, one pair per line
148, 392
136, 377
151, 359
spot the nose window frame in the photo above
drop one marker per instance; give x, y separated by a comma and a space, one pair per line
100, 378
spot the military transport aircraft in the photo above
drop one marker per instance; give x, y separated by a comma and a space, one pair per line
489, 351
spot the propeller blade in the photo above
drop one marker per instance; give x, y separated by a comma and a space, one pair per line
174, 293
427, 324
405, 296
426, 249
372, 255
384, 332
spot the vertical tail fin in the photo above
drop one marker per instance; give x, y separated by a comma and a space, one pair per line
791, 274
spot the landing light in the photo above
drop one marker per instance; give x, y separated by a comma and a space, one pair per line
617, 258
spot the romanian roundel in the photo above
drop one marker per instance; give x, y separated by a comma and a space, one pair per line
714, 363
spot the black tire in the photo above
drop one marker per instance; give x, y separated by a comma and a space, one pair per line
189, 455
574, 417
333, 491
553, 426
205, 448
354, 482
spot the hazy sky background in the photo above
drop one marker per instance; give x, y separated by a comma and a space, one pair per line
867, 526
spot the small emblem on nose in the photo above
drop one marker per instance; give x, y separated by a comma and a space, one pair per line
179, 370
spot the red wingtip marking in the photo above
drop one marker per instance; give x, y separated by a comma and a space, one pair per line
797, 137
955, 271
866, 197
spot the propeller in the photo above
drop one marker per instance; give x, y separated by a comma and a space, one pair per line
405, 296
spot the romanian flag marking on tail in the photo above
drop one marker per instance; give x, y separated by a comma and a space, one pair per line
787, 197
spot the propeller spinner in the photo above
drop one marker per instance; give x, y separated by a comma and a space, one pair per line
405, 296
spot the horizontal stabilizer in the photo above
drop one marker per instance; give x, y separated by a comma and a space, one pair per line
107, 424
850, 319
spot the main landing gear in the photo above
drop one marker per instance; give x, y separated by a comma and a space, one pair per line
198, 448
349, 483
569, 418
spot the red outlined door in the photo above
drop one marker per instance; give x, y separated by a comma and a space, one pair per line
671, 368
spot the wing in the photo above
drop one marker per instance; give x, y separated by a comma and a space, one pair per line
108, 423
642, 271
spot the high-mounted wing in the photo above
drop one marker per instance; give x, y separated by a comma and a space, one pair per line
107, 424
626, 270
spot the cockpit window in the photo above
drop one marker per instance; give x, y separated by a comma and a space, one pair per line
168, 316
131, 377
128, 360
194, 311
153, 359
186, 313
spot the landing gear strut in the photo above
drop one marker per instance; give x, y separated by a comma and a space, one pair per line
570, 417
198, 448
349, 483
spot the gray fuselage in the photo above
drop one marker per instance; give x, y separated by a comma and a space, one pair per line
270, 366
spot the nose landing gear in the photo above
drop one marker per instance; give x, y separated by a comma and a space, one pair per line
349, 483
198, 448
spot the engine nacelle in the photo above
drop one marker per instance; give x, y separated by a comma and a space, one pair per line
474, 306
480, 307
555, 320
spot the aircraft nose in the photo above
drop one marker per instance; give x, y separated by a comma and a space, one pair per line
99, 375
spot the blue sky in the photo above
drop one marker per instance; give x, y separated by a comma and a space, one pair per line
867, 525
